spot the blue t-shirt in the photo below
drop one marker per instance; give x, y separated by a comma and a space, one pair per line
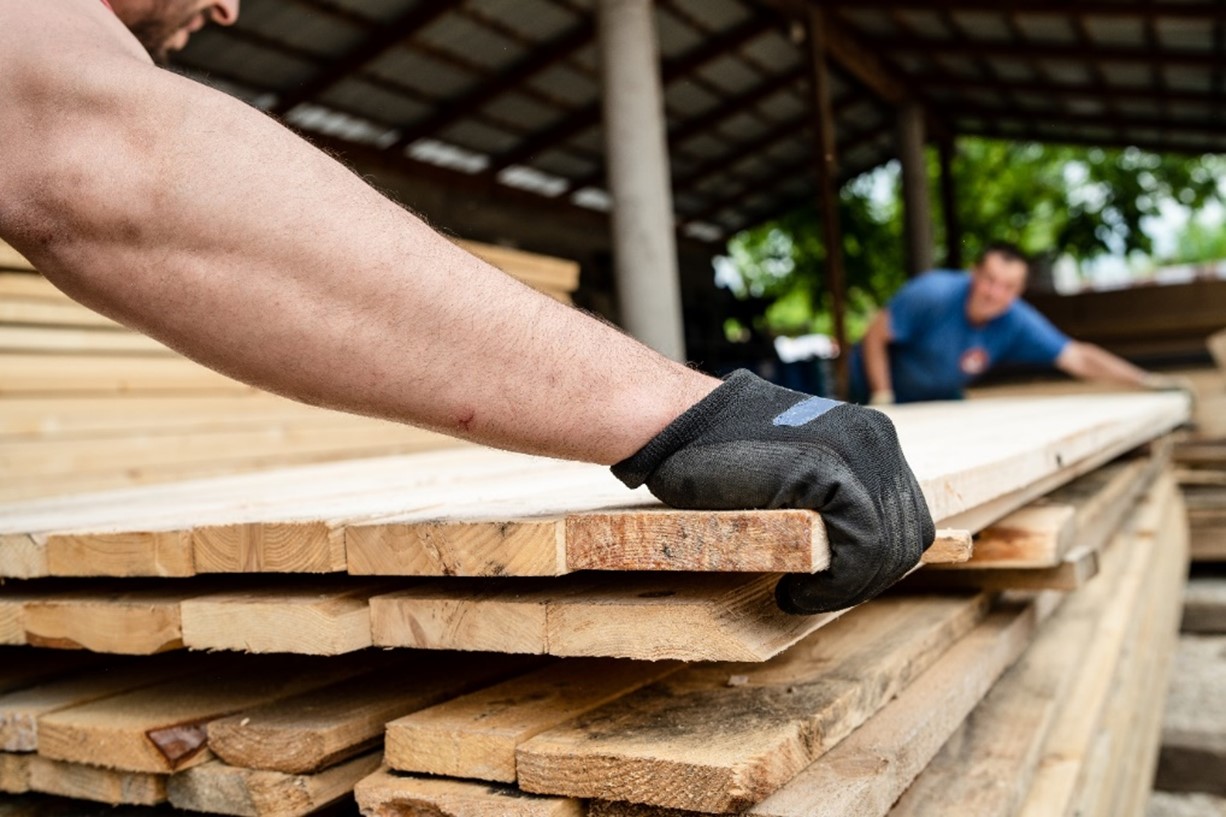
936, 351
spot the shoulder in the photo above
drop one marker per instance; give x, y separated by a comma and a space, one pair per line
936, 285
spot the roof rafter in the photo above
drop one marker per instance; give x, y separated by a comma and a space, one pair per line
382, 40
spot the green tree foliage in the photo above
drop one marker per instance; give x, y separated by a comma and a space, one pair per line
1050, 200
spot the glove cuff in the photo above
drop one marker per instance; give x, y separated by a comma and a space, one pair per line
639, 466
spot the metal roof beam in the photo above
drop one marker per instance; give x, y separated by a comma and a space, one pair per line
384, 38
671, 71
542, 57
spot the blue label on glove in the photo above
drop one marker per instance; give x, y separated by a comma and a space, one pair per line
805, 411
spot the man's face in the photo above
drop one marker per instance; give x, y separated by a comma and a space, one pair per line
995, 284
163, 26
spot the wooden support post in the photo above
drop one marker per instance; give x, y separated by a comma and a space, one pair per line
947, 149
917, 213
827, 192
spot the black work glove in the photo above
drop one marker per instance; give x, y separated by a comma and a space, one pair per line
751, 444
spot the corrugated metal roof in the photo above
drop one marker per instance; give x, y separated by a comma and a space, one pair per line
510, 88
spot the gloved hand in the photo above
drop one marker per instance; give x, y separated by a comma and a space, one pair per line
751, 444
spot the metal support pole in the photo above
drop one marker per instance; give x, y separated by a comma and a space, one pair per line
644, 244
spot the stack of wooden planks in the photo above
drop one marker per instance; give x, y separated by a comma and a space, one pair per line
86, 404
578, 649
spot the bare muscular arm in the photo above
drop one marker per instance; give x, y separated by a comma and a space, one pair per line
198, 220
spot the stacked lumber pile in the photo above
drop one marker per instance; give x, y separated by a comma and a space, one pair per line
86, 404
578, 649
1142, 321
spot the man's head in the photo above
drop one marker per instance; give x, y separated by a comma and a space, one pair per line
997, 280
163, 26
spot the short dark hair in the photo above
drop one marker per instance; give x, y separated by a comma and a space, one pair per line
1006, 250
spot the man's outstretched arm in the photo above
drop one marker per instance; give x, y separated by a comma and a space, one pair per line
198, 220
194, 218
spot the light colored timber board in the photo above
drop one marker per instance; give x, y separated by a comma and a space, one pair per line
134, 452
48, 418
646, 616
1054, 785
14, 773
219, 789
531, 268
1208, 543
1204, 605
721, 737
980, 470
869, 769
1078, 566
1082, 513
986, 767
38, 311
11, 259
1184, 804
22, 556
307, 732
21, 709
113, 619
1132, 709
162, 728
12, 618
1194, 728
96, 784
390, 794
475, 735
316, 618
71, 340
83, 374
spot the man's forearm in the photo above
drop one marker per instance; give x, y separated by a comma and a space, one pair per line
875, 349
1090, 362
194, 218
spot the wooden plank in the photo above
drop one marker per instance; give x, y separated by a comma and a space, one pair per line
390, 794
1083, 513
1078, 566
1063, 756
531, 268
21, 709
986, 767
475, 735
646, 616
219, 789
307, 732
61, 374
96, 784
46, 312
11, 259
869, 769
162, 728
1132, 712
1194, 732
14, 773
111, 620
47, 418
317, 618
694, 741
59, 340
1180, 804
22, 556
1204, 605
1069, 436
